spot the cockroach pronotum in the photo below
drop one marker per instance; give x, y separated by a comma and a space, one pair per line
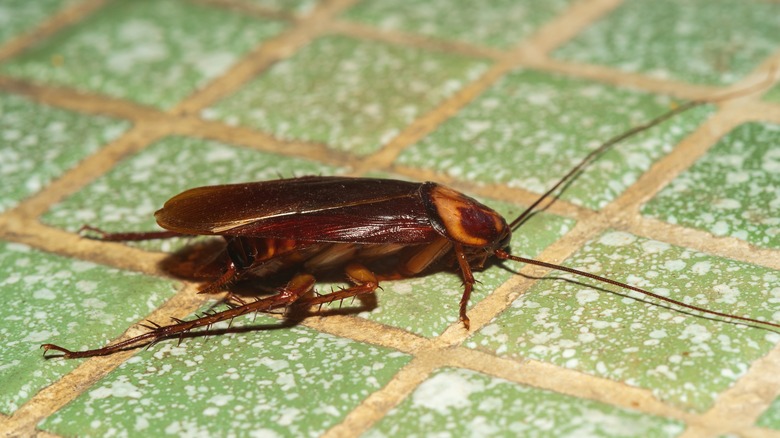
319, 223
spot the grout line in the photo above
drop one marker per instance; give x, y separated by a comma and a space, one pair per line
15, 228
80, 101
571, 20
396, 37
500, 299
565, 381
257, 140
250, 9
376, 406
758, 432
71, 385
263, 56
90, 168
727, 247
56, 22
428, 355
740, 406
566, 26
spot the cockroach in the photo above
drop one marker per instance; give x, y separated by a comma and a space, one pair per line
321, 223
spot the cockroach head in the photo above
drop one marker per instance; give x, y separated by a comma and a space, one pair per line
465, 220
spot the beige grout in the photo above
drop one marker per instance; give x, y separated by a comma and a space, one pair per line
744, 402
565, 381
366, 32
53, 24
757, 432
15, 228
428, 355
703, 241
265, 55
251, 9
74, 383
88, 170
378, 404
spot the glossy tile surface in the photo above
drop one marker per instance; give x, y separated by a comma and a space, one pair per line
110, 108
684, 359
351, 95
151, 52
734, 190
53, 299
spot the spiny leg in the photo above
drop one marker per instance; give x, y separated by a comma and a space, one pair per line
299, 286
364, 282
468, 283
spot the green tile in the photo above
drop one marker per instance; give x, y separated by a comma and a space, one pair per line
498, 23
457, 402
734, 190
532, 127
428, 304
771, 417
351, 95
773, 95
52, 299
154, 52
700, 41
290, 382
126, 198
39, 143
683, 359
297, 6
20, 16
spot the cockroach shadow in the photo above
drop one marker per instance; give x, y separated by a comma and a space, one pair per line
283, 238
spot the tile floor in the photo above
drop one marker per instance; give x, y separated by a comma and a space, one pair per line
107, 108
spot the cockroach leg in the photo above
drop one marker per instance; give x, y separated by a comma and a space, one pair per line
468, 283
292, 294
215, 286
364, 282
125, 237
299, 286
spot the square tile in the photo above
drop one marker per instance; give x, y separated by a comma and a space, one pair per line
685, 360
20, 16
426, 305
39, 143
713, 42
349, 94
457, 402
734, 190
532, 127
125, 199
771, 417
297, 6
773, 95
497, 23
154, 52
52, 299
290, 382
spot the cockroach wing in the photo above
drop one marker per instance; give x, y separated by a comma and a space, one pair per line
316, 209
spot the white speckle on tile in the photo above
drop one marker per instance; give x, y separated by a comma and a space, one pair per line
727, 204
443, 392
701, 268
38, 336
44, 294
617, 238
585, 296
117, 388
674, 265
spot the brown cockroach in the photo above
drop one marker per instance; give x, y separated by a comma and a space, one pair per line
319, 223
